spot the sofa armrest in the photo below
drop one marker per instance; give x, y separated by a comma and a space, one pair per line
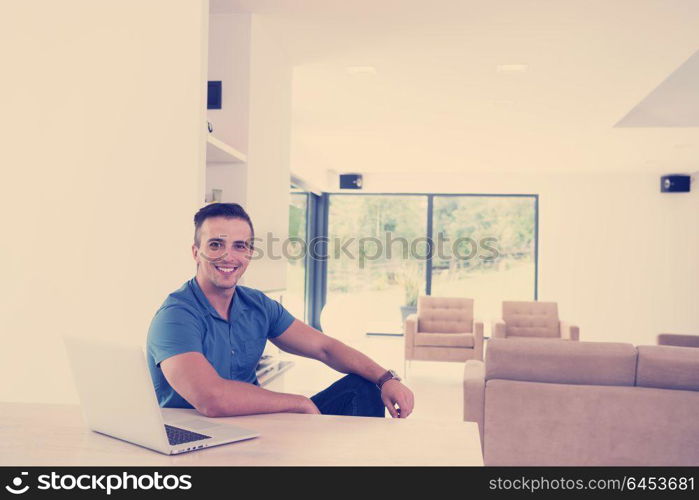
478, 339
678, 340
474, 394
499, 329
569, 332
410, 331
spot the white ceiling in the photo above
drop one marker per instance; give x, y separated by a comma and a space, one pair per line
674, 103
437, 103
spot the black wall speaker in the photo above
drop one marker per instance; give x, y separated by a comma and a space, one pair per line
213, 96
350, 181
674, 184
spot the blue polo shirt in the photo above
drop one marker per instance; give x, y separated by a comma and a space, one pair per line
187, 322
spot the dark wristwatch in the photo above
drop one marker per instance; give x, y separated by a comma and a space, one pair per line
390, 374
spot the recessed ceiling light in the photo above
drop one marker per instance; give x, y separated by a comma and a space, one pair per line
512, 68
360, 70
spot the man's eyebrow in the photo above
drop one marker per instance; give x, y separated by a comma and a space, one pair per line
222, 240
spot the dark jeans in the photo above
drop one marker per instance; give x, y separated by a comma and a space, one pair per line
351, 395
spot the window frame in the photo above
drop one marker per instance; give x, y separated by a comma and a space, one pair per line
317, 231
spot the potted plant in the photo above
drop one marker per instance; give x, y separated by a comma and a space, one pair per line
410, 280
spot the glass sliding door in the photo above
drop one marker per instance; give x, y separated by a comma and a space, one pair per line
376, 262
296, 272
485, 249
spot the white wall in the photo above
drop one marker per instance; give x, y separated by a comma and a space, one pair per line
268, 154
256, 119
103, 123
619, 257
229, 61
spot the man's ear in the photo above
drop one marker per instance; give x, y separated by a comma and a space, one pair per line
195, 251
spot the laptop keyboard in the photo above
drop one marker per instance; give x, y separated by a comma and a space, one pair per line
178, 436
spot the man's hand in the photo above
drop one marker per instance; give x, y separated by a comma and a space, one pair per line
394, 393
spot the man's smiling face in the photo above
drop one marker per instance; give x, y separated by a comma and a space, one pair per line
224, 251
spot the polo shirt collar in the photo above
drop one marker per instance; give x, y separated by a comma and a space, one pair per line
237, 304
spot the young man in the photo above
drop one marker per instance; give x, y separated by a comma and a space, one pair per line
206, 339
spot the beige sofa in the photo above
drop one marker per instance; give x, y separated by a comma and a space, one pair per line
584, 403
443, 330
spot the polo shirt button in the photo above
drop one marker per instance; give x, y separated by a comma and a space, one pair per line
232, 351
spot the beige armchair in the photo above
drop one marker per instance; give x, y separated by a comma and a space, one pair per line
533, 319
443, 330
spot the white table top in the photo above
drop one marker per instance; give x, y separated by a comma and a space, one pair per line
43, 434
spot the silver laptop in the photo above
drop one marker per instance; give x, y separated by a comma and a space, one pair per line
118, 399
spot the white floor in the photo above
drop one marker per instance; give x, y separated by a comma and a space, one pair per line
437, 386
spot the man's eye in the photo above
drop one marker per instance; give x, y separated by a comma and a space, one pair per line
241, 246
215, 245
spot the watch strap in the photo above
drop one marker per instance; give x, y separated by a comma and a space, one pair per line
385, 378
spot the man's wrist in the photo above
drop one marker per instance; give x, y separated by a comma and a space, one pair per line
388, 375
390, 382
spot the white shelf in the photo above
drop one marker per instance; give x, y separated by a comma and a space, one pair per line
269, 373
218, 151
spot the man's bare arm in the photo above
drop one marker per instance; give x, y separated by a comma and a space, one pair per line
304, 340
193, 377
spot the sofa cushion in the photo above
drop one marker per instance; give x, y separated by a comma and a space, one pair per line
444, 339
562, 362
668, 367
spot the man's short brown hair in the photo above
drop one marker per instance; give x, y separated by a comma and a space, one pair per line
227, 210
